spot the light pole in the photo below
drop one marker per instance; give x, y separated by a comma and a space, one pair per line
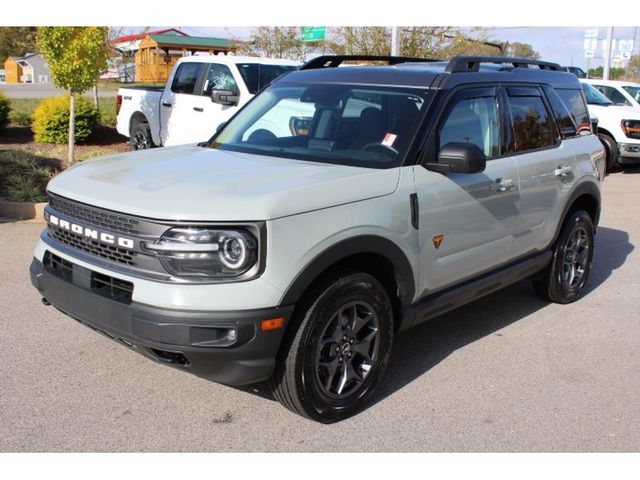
607, 56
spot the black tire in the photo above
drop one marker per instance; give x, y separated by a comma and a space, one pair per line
326, 371
140, 138
557, 283
612, 152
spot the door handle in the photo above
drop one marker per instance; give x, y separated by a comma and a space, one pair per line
563, 172
504, 185
166, 104
198, 109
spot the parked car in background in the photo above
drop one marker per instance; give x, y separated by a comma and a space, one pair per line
577, 71
622, 94
202, 92
618, 127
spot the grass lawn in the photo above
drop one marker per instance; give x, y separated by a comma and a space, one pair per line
22, 110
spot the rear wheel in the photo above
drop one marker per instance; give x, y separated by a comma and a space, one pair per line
611, 150
330, 366
565, 279
140, 138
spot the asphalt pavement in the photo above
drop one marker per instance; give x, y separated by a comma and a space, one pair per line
508, 372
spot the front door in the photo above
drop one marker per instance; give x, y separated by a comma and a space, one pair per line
467, 221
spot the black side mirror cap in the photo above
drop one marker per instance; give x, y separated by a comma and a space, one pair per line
459, 157
225, 97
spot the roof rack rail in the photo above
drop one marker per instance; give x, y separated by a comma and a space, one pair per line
331, 61
472, 64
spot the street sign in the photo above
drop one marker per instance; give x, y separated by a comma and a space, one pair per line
625, 55
588, 53
313, 34
591, 33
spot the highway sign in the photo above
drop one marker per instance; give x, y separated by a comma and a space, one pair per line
313, 34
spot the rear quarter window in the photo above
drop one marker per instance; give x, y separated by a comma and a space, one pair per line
575, 103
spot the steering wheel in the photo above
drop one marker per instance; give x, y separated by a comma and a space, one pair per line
261, 136
381, 148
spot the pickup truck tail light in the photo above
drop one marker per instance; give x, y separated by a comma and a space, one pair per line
118, 104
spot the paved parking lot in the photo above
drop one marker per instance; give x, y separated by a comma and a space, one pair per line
506, 373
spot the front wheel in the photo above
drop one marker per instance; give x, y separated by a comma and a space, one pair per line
330, 366
565, 279
611, 152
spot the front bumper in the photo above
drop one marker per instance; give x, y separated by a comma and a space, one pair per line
194, 341
629, 153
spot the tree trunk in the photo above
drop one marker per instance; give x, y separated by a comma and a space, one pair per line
95, 95
72, 130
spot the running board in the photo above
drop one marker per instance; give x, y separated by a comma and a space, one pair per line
438, 303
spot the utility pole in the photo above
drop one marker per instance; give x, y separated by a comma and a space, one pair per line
607, 56
395, 42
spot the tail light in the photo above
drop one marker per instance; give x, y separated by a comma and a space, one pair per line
118, 104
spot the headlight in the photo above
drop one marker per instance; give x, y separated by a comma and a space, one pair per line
631, 128
206, 252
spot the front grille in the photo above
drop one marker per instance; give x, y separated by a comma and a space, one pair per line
108, 252
95, 216
58, 266
113, 288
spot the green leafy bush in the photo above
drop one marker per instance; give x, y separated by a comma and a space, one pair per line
20, 117
22, 177
5, 109
51, 120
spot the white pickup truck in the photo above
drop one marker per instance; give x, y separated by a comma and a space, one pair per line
202, 92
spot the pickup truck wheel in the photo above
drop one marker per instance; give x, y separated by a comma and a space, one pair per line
332, 362
140, 138
611, 151
565, 279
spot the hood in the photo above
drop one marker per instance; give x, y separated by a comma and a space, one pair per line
195, 183
630, 113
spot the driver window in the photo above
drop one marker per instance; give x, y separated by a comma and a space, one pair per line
219, 77
472, 120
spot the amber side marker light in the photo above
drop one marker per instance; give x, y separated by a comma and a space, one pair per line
272, 324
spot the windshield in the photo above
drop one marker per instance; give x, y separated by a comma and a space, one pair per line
257, 76
342, 124
633, 91
594, 97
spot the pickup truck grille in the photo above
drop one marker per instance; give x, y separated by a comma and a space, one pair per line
94, 216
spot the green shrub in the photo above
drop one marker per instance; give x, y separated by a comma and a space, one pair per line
51, 120
21, 117
22, 177
5, 109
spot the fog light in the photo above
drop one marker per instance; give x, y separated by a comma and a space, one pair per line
231, 335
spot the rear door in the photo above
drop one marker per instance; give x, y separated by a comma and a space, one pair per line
179, 104
467, 221
546, 164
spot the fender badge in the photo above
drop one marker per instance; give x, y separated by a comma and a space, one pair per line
437, 240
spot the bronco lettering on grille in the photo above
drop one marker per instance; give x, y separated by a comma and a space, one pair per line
103, 237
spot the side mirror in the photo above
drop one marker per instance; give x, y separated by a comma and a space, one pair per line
594, 125
225, 97
459, 157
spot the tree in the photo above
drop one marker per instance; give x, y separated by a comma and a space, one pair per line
279, 42
521, 50
16, 41
615, 73
76, 56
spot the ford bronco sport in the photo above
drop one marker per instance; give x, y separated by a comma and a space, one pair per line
399, 192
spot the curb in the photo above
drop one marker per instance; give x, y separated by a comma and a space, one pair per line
32, 211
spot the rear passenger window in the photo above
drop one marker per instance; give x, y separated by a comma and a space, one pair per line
532, 126
186, 78
473, 120
574, 101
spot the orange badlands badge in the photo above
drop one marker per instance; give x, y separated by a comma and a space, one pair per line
437, 240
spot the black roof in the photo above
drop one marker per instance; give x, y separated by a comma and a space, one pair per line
437, 74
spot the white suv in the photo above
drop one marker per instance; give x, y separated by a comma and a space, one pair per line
396, 194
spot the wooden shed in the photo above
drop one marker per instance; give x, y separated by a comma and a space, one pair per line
12, 70
158, 53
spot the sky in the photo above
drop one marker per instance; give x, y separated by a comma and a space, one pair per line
564, 45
